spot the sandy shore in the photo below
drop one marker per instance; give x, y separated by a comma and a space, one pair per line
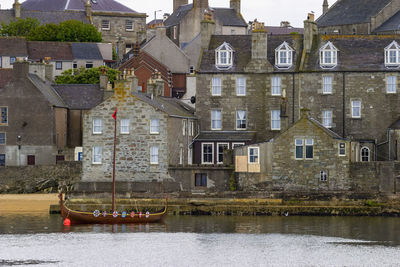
27, 203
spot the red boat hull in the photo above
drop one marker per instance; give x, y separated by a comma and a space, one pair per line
81, 217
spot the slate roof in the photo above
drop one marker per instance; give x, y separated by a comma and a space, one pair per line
46, 17
276, 30
5, 76
173, 107
226, 136
356, 52
45, 88
11, 46
155, 22
88, 51
227, 16
345, 12
392, 24
326, 130
241, 45
55, 50
396, 125
80, 96
61, 5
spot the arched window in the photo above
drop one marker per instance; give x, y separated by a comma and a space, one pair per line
392, 55
224, 56
284, 56
365, 154
328, 55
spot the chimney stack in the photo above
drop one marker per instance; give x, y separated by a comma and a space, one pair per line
259, 42
202, 4
178, 3
103, 79
325, 7
88, 9
207, 30
121, 46
17, 9
235, 4
310, 29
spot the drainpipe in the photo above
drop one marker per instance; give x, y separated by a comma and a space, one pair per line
388, 141
344, 106
293, 94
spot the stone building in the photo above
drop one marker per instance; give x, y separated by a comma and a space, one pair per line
251, 88
114, 20
153, 133
360, 17
183, 25
11, 50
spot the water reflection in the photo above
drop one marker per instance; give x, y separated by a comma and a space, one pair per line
377, 229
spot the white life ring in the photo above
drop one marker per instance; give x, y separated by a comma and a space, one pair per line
147, 214
96, 213
115, 214
104, 213
123, 215
132, 214
140, 214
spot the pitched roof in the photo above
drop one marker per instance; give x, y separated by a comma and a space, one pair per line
61, 5
46, 17
395, 125
356, 52
12, 46
276, 30
226, 136
80, 96
45, 88
172, 107
88, 51
5, 76
155, 22
55, 50
241, 45
229, 17
392, 24
345, 12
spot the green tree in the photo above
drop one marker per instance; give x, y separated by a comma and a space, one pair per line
20, 27
86, 76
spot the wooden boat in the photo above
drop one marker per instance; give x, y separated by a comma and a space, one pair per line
97, 217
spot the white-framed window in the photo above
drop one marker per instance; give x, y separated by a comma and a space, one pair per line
284, 56
2, 138
75, 65
3, 116
328, 55
241, 119
342, 149
253, 156
224, 56
154, 155
391, 84
105, 25
235, 145
216, 119
327, 118
125, 126
275, 120
241, 86
12, 60
356, 109
191, 128
89, 64
276, 85
365, 154
299, 148
184, 126
59, 65
154, 126
181, 156
1, 62
191, 70
207, 153
392, 55
216, 86
97, 155
309, 148
129, 25
221, 147
323, 176
97, 126
327, 85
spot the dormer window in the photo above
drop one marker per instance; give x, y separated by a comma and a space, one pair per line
224, 56
328, 56
392, 55
284, 56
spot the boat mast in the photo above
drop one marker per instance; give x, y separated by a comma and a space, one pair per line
115, 141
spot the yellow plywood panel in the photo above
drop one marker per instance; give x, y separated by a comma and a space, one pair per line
241, 163
256, 168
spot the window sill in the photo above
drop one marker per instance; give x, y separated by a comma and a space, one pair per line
276, 95
327, 93
391, 93
105, 29
97, 163
124, 133
240, 95
276, 130
154, 164
241, 129
97, 133
129, 30
356, 118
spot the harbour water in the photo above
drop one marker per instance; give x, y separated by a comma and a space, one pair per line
42, 240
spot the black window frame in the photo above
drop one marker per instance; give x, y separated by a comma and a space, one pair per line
200, 180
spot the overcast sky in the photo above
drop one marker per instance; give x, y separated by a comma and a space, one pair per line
272, 12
